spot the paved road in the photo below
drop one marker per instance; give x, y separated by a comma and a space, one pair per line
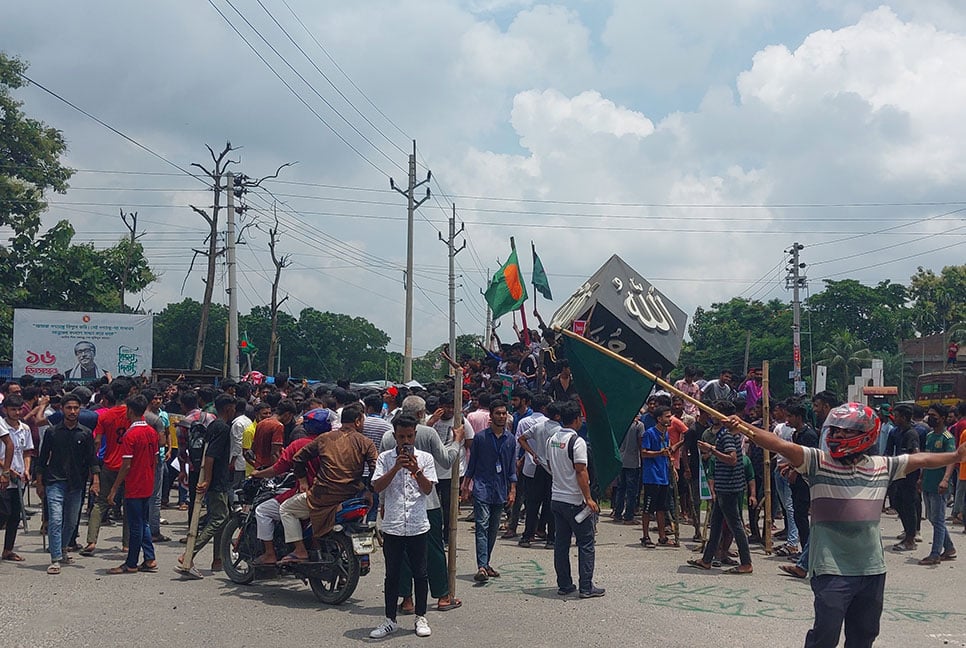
652, 600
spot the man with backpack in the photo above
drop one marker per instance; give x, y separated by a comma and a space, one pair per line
572, 504
216, 459
192, 429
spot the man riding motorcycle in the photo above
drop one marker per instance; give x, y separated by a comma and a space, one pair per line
342, 454
316, 422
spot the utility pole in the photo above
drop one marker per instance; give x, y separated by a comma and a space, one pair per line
453, 251
795, 280
133, 228
487, 331
412, 206
233, 369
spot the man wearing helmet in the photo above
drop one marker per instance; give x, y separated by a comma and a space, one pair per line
848, 484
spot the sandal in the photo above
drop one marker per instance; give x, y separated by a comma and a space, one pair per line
695, 562
647, 542
13, 557
731, 562
53, 569
667, 542
786, 550
292, 559
452, 605
147, 568
258, 562
793, 570
492, 573
87, 551
68, 560
736, 571
122, 569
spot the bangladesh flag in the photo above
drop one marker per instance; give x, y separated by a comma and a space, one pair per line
612, 392
506, 291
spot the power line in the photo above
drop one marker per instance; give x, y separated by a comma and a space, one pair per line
290, 88
111, 128
876, 265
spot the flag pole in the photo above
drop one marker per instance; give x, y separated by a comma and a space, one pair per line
710, 411
454, 483
766, 424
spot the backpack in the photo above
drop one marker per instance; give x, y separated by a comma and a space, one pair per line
197, 438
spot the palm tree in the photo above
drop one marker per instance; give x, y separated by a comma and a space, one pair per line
845, 356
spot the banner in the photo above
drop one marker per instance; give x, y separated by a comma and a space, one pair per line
81, 346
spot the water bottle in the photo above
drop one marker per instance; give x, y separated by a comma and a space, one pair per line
583, 514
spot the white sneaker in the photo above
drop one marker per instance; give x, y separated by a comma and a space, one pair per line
386, 627
422, 627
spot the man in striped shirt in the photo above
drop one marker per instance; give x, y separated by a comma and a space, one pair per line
846, 562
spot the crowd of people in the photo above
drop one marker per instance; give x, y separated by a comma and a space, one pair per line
125, 449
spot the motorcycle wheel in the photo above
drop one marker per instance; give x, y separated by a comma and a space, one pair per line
236, 552
343, 574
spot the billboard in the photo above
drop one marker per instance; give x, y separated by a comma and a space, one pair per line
82, 346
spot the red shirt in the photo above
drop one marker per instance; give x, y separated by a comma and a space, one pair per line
112, 423
267, 432
284, 465
140, 445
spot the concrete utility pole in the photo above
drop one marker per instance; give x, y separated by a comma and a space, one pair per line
487, 330
233, 369
412, 206
453, 251
795, 280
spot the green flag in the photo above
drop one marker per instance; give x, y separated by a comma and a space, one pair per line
244, 346
506, 291
611, 391
539, 281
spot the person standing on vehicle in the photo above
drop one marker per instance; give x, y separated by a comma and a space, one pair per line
404, 476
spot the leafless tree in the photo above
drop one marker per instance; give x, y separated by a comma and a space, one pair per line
280, 262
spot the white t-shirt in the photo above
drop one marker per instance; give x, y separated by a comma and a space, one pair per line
785, 432
22, 441
404, 505
526, 424
565, 488
237, 435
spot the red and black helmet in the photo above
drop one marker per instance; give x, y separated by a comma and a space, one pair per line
854, 417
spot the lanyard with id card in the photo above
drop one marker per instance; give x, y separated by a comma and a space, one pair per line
496, 449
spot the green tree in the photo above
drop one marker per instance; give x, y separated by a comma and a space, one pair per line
876, 315
29, 156
49, 272
177, 325
845, 356
939, 301
335, 346
718, 336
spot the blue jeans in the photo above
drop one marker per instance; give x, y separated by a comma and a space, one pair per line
566, 526
487, 527
627, 493
936, 512
63, 512
137, 515
855, 601
784, 492
154, 505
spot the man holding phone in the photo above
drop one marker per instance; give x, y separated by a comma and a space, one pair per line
403, 477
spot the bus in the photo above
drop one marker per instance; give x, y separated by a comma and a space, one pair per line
946, 387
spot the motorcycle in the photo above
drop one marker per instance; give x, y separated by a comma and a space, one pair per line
335, 564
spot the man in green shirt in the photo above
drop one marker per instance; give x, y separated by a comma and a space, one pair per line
934, 484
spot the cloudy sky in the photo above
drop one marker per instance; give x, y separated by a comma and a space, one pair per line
697, 140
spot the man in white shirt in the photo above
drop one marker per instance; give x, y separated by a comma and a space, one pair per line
532, 434
237, 461
567, 458
15, 459
403, 477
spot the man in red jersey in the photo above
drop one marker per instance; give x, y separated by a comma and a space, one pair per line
112, 423
139, 452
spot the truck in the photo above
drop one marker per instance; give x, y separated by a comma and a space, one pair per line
946, 387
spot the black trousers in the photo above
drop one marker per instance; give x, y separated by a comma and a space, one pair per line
523, 485
905, 502
414, 548
855, 601
12, 521
443, 490
538, 505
